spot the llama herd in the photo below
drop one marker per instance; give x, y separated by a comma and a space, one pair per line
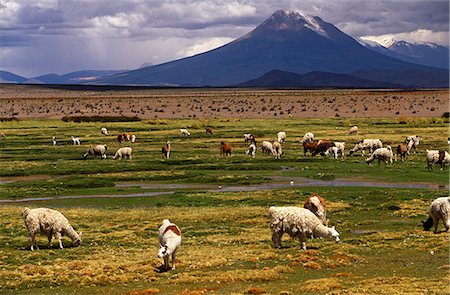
299, 223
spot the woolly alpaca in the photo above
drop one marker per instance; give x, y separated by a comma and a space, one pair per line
381, 154
124, 152
209, 130
308, 137
251, 150
432, 157
165, 150
298, 223
53, 140
316, 205
267, 147
97, 150
281, 137
169, 240
366, 144
49, 223
225, 148
104, 131
277, 152
439, 209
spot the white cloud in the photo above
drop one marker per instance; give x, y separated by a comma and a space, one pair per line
203, 46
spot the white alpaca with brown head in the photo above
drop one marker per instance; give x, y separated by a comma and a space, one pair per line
169, 240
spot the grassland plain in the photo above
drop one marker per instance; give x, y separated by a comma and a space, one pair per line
226, 245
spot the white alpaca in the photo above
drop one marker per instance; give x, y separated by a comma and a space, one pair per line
104, 131
97, 150
267, 147
308, 137
185, 132
382, 154
277, 152
53, 140
432, 157
439, 209
124, 152
169, 240
366, 144
49, 223
75, 141
281, 137
352, 130
338, 148
298, 223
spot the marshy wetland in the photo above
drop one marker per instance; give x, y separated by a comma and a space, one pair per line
226, 246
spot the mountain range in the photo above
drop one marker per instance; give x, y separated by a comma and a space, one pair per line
428, 54
288, 42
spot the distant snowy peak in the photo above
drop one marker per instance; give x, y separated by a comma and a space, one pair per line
294, 20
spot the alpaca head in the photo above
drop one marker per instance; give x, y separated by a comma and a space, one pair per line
427, 224
77, 242
334, 235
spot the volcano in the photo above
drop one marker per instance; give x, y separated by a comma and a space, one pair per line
289, 41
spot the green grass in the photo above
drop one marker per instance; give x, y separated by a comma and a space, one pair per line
226, 239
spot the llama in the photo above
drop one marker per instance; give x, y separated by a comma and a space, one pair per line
165, 150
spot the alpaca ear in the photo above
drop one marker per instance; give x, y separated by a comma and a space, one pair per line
333, 227
80, 234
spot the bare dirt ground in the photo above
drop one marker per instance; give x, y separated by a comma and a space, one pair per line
28, 101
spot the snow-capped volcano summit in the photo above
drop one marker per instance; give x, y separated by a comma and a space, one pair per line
293, 20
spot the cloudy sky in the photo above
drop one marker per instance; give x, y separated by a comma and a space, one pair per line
59, 36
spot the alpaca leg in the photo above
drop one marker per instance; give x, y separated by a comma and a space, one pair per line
32, 242
276, 238
447, 224
58, 237
435, 222
173, 259
49, 237
166, 262
303, 241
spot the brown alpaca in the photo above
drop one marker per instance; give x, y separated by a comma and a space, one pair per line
322, 147
310, 146
225, 149
209, 130
166, 150
402, 150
